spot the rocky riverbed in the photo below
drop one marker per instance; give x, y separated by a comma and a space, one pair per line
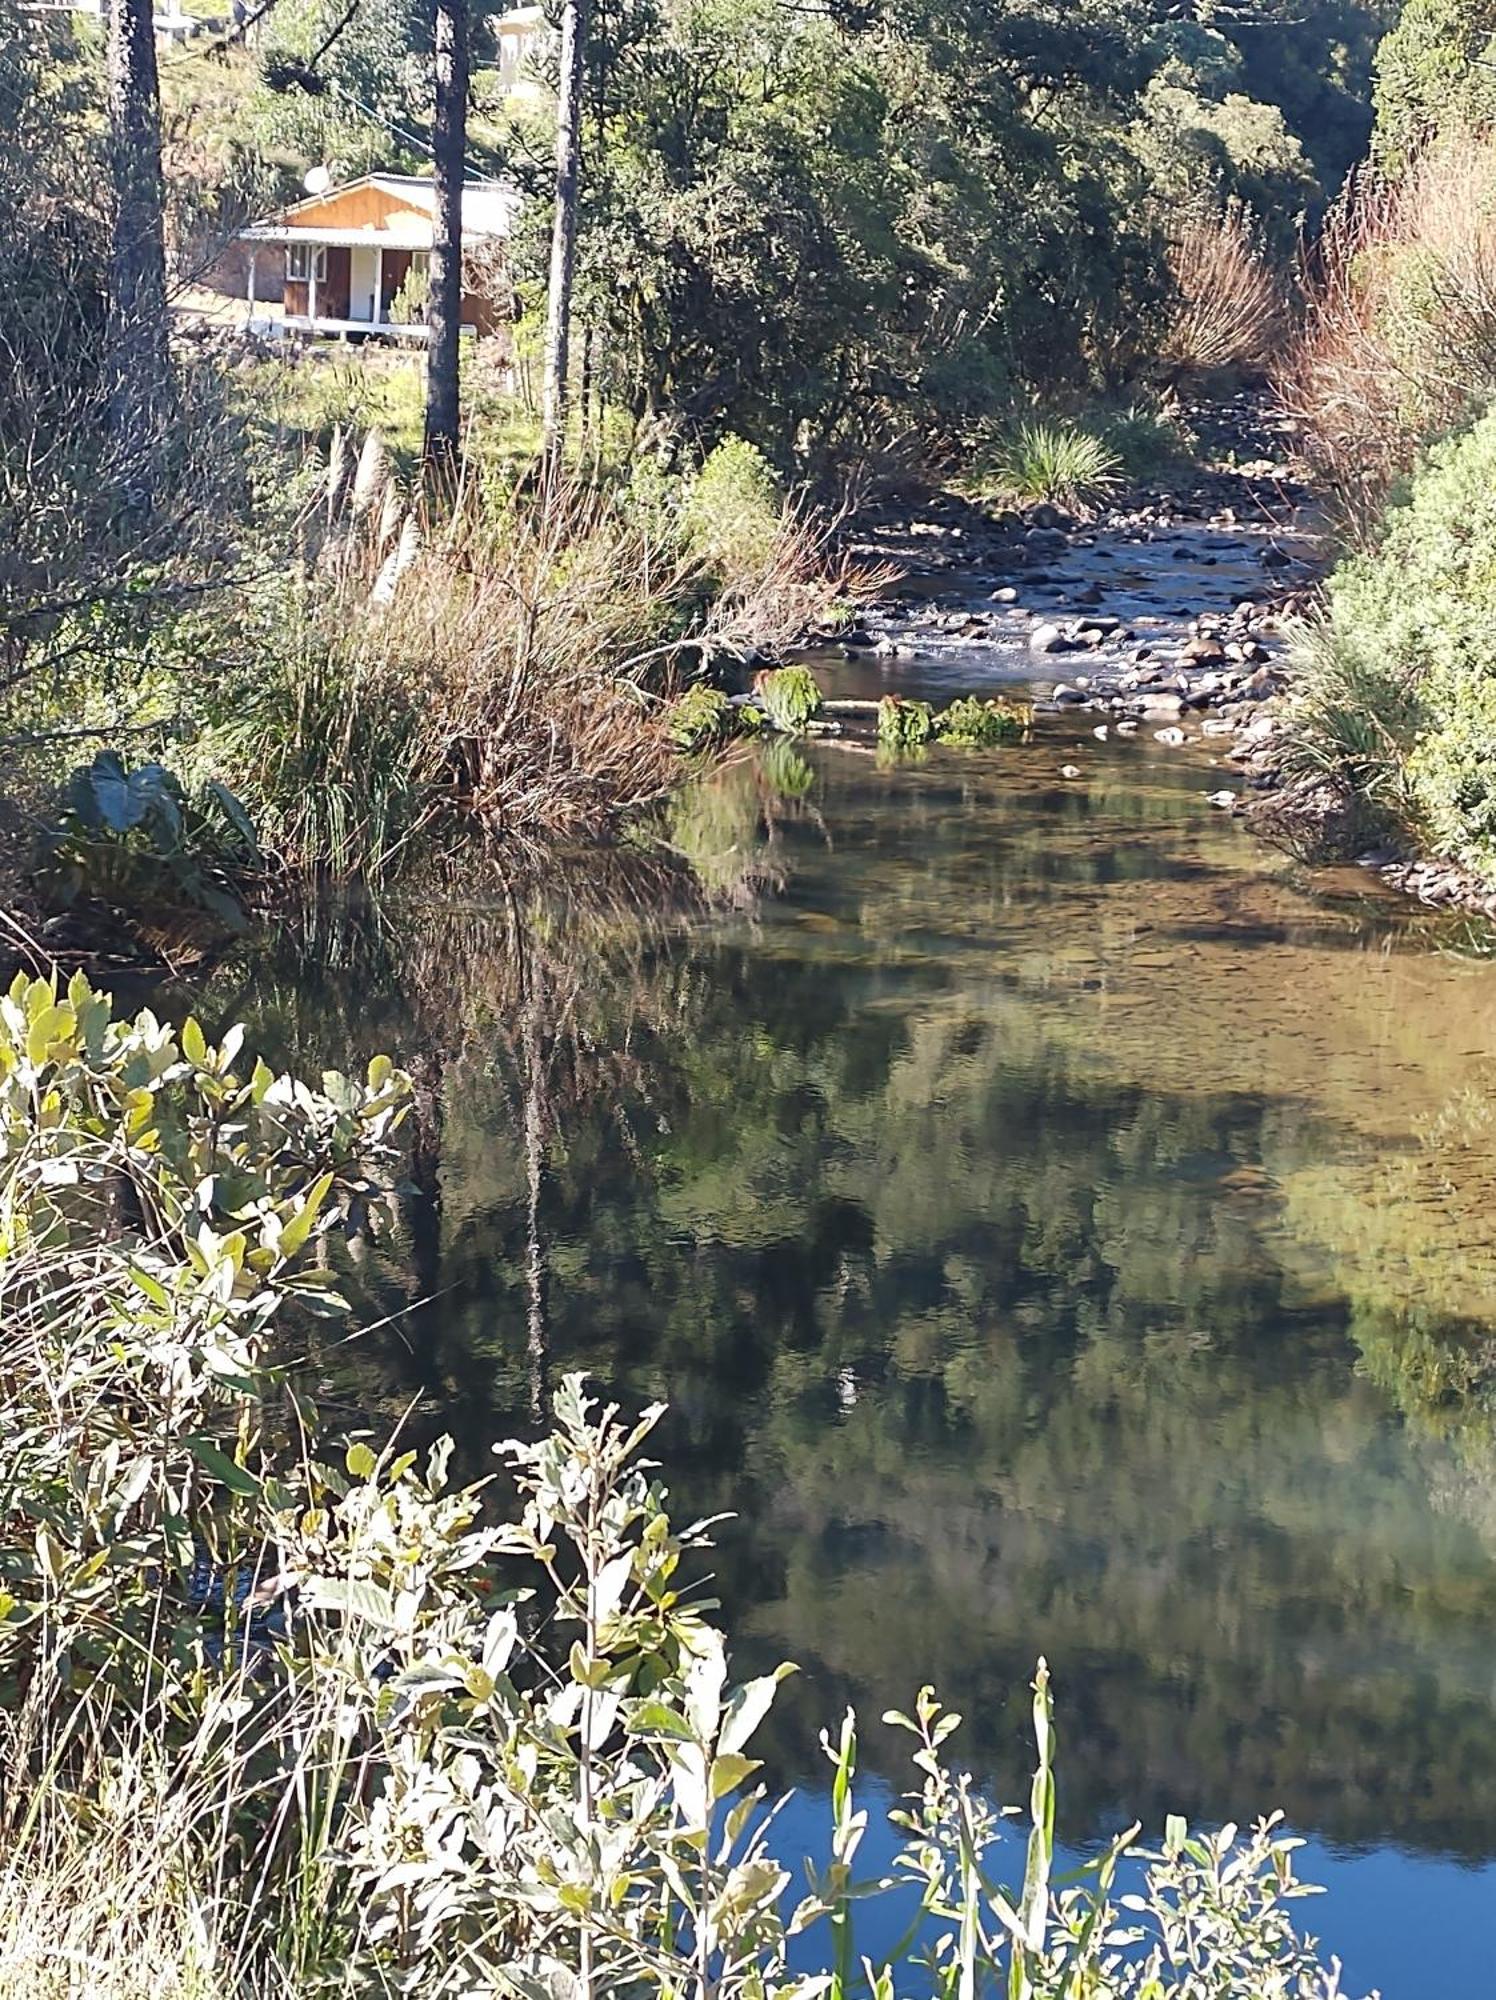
1168, 615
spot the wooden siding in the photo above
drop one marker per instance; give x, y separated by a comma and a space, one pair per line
354, 208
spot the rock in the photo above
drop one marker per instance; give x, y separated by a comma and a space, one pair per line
1205, 652
1069, 770
1100, 732
1048, 638
887, 650
1068, 695
1007, 595
1222, 801
1216, 725
1048, 517
1172, 737
1045, 541
1127, 728
1164, 701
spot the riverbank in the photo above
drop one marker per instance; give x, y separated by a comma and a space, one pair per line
1171, 615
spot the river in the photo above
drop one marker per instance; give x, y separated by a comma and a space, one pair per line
1059, 1223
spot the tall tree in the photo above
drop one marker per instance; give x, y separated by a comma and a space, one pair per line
140, 351
563, 236
444, 311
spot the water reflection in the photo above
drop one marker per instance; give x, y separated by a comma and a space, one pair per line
1054, 1229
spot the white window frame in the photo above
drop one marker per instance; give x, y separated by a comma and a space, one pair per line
305, 261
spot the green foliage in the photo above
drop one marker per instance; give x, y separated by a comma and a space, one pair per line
371, 87
408, 307
1403, 698
382, 1736
1351, 722
1204, 154
1040, 459
701, 718
139, 841
733, 508
904, 725
157, 1200
789, 696
1434, 76
1148, 438
981, 725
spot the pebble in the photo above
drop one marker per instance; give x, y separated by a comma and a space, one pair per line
1173, 737
1069, 770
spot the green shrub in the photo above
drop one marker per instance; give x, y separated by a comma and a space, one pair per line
1053, 461
1404, 693
140, 842
1148, 438
1351, 722
790, 696
733, 510
981, 725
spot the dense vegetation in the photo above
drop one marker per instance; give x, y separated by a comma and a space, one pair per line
294, 1698
805, 241
455, 1755
1394, 726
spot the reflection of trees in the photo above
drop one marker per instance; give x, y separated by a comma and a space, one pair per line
1001, 1326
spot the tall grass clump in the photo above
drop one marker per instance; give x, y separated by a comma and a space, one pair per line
1230, 311
500, 669
1043, 459
289, 1714
1398, 342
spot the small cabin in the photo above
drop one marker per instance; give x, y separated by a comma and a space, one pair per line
357, 258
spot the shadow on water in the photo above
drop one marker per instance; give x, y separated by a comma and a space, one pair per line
1054, 1226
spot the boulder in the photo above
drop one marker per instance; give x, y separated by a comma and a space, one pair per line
1048, 638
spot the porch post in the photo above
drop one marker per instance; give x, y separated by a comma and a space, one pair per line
311, 288
378, 314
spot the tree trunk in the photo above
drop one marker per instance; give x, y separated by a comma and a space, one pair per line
563, 238
140, 383
444, 310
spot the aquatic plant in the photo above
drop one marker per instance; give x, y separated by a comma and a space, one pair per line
980, 725
790, 697
702, 716
904, 725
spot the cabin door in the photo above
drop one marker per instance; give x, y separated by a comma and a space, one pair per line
363, 284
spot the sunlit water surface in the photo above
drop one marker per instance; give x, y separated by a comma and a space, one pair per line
1059, 1225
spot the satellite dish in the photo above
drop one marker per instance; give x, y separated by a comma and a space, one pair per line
318, 180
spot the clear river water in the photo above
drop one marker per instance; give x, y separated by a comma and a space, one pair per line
1059, 1224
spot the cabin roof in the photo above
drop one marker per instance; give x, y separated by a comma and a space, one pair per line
488, 210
